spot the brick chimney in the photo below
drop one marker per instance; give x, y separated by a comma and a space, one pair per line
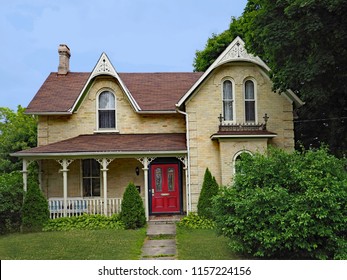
64, 59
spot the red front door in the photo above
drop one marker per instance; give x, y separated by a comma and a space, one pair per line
165, 188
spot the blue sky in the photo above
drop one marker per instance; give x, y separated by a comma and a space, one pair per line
137, 35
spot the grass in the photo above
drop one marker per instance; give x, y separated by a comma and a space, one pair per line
73, 245
202, 244
192, 244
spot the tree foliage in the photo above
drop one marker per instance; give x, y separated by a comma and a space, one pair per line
17, 132
133, 212
208, 190
304, 44
286, 206
11, 200
216, 45
35, 212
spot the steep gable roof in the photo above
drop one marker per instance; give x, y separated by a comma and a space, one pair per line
235, 52
147, 92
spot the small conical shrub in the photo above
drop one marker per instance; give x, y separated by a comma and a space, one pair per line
209, 189
35, 212
133, 212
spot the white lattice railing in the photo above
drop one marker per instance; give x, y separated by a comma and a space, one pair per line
78, 206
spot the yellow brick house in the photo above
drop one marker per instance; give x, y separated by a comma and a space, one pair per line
100, 130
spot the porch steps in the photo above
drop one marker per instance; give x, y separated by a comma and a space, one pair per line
169, 219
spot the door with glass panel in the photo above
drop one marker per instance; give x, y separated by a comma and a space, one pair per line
165, 195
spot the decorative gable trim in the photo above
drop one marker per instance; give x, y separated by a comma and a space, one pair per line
104, 67
236, 51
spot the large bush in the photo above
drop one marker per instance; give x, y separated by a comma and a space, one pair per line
11, 200
208, 190
286, 206
133, 212
35, 212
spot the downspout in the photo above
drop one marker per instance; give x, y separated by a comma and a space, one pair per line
189, 202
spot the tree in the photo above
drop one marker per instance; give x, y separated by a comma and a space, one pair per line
11, 201
208, 190
133, 212
17, 132
35, 212
286, 206
304, 43
216, 45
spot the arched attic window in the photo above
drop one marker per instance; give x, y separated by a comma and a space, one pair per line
250, 110
107, 110
228, 101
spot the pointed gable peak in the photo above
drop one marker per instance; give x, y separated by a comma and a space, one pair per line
104, 67
236, 51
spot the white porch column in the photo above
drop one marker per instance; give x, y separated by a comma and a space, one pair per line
104, 163
65, 164
25, 175
146, 161
145, 170
25, 171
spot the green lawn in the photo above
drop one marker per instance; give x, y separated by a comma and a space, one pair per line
202, 244
197, 244
73, 245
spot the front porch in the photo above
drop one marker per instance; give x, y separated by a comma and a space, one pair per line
89, 173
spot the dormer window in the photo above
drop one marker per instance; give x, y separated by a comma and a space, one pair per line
107, 110
228, 101
250, 113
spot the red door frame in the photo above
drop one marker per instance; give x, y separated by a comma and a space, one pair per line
166, 200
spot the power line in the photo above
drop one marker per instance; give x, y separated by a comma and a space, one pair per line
320, 120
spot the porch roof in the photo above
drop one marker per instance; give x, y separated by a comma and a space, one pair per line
111, 144
244, 134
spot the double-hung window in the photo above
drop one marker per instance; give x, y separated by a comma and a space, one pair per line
249, 102
107, 110
90, 177
228, 101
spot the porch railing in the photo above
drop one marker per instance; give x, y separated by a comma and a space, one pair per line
77, 206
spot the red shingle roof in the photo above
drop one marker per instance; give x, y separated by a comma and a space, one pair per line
152, 91
113, 144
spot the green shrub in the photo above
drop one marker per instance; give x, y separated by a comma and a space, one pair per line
11, 201
208, 190
35, 212
84, 222
194, 221
286, 206
133, 212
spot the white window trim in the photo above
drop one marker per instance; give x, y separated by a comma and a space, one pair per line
255, 99
105, 130
233, 121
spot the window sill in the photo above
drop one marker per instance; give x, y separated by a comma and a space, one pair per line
106, 131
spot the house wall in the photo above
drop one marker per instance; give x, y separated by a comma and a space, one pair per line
56, 128
120, 173
204, 108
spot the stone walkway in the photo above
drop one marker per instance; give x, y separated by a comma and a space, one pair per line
160, 243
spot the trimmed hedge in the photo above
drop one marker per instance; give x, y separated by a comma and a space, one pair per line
208, 190
35, 212
133, 212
